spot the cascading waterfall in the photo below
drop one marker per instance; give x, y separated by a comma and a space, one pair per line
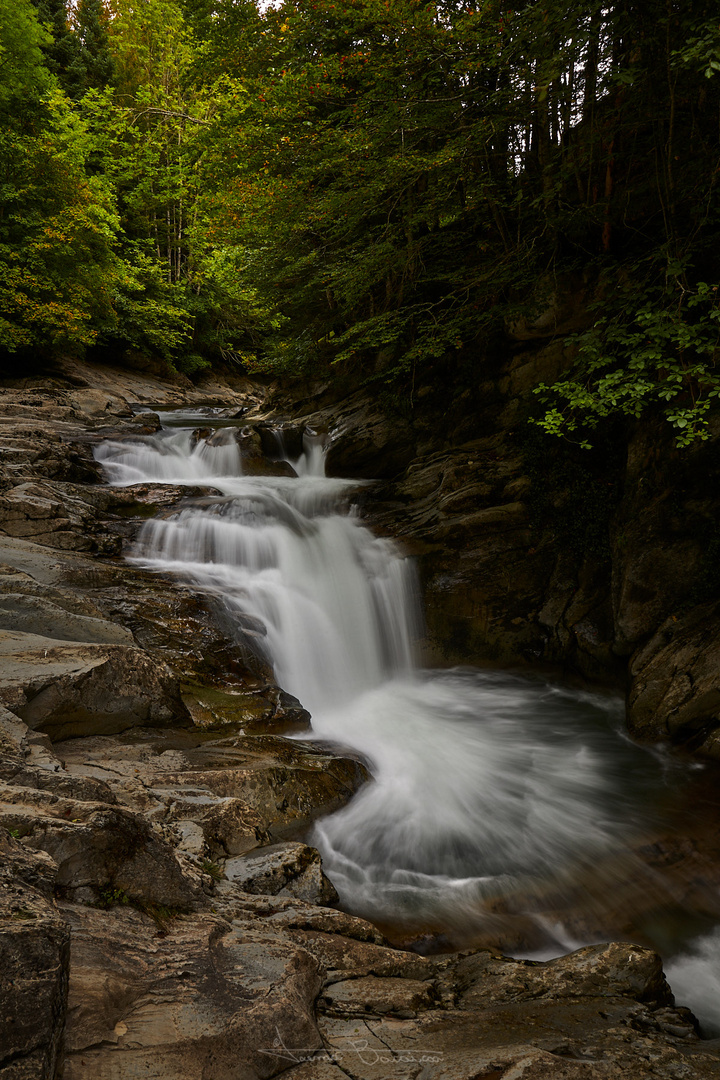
337, 604
492, 794
173, 458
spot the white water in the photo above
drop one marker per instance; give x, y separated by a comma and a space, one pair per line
489, 789
337, 604
695, 979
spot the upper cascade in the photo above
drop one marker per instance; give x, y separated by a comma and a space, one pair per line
338, 605
172, 457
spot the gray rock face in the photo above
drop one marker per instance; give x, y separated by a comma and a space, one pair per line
42, 617
675, 688
200, 997
289, 869
34, 955
485, 571
362, 441
68, 690
93, 402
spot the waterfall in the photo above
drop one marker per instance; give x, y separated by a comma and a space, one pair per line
495, 797
338, 605
172, 457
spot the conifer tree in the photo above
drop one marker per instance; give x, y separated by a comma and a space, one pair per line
93, 66
61, 49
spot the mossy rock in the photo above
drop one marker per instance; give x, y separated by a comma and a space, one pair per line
255, 712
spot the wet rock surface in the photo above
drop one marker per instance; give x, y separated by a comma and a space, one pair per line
361, 440
283, 870
160, 914
238, 792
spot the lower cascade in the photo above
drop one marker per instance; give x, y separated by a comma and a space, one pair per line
503, 809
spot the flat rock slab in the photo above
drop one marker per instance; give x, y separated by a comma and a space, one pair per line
197, 998
377, 997
240, 791
36, 615
51, 567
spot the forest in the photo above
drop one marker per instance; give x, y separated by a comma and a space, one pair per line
372, 186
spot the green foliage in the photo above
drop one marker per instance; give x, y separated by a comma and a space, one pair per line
355, 184
59, 47
647, 347
76, 47
231, 318
212, 868
191, 363
368, 188
93, 66
398, 175
23, 76
701, 49
110, 897
150, 313
57, 222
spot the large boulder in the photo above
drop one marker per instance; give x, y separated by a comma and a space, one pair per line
68, 690
96, 847
272, 712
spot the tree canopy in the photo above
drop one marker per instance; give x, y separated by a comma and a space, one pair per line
379, 186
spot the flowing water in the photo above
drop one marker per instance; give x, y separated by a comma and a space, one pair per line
503, 808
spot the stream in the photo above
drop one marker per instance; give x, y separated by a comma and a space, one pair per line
504, 810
